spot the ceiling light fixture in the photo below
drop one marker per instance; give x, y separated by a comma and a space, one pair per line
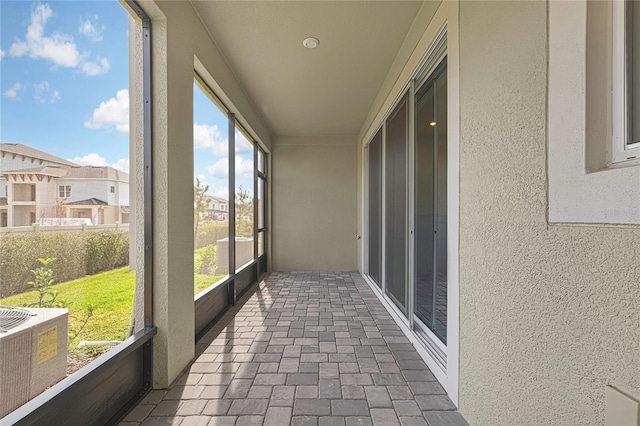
433, 123
310, 42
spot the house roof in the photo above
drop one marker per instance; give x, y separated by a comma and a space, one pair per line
75, 172
89, 202
27, 151
96, 172
55, 171
218, 199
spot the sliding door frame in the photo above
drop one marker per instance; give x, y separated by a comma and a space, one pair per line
440, 40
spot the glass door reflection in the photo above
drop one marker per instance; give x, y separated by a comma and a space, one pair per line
431, 203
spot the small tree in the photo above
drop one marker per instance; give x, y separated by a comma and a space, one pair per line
244, 213
42, 282
61, 208
200, 204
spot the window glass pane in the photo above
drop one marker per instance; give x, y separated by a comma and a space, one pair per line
396, 212
425, 203
71, 115
210, 191
431, 203
633, 52
375, 208
244, 200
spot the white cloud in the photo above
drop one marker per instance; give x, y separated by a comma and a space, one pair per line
2, 53
58, 48
122, 164
221, 168
244, 167
94, 159
44, 94
243, 146
100, 66
12, 92
91, 31
220, 191
206, 136
112, 113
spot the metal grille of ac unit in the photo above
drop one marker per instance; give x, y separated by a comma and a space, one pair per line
12, 317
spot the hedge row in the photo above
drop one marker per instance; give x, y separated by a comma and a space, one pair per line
77, 254
210, 231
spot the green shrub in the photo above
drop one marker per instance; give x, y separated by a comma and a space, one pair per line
106, 251
209, 232
206, 264
77, 254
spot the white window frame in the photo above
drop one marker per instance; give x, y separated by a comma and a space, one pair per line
621, 151
64, 191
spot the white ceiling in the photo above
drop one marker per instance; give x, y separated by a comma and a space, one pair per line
325, 91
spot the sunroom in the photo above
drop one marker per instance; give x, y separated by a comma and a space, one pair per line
460, 177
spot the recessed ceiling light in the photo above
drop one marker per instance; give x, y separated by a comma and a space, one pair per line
433, 123
310, 42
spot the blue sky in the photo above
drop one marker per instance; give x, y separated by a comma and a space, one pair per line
64, 76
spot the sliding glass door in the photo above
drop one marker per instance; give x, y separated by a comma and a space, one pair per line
411, 204
375, 208
396, 145
431, 203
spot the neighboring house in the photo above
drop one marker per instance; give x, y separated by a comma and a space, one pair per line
218, 209
37, 185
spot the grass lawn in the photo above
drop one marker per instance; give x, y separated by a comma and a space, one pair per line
111, 294
202, 281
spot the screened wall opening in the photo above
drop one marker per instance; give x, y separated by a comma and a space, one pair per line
261, 208
244, 203
211, 189
73, 260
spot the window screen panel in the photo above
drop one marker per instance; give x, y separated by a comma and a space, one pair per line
397, 132
375, 208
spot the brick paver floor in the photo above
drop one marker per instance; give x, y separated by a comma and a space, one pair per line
305, 348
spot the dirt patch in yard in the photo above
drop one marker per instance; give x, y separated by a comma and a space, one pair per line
77, 360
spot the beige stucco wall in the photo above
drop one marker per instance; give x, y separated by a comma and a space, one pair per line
314, 203
549, 315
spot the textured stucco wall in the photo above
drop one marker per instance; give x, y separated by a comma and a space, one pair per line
314, 203
549, 315
179, 42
